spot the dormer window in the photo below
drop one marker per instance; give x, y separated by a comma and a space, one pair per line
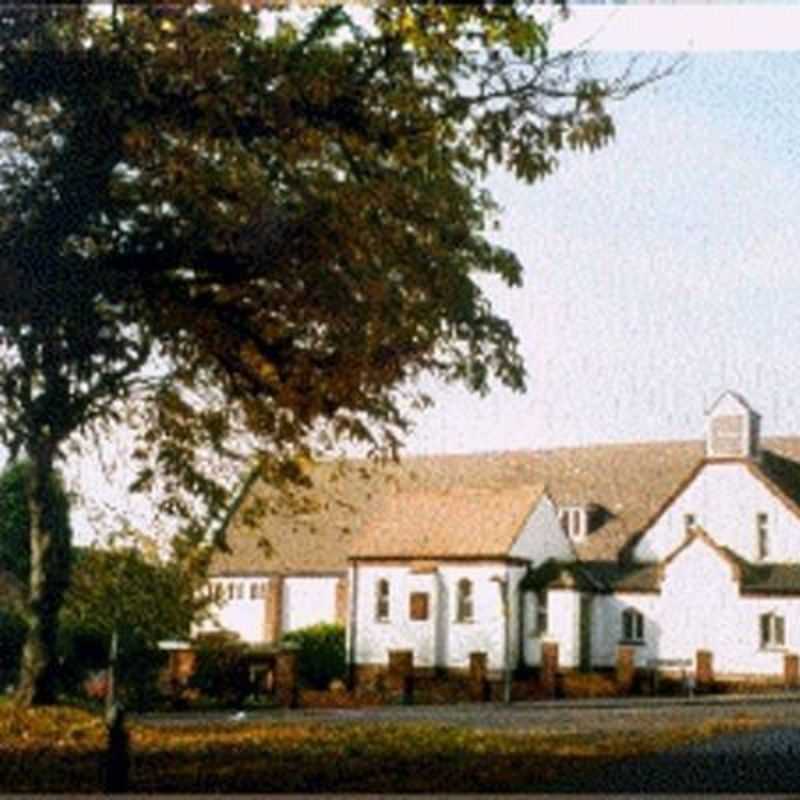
732, 428
573, 521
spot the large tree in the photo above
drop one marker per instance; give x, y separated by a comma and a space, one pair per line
241, 236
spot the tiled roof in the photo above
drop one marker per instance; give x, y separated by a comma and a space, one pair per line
595, 576
771, 579
629, 482
453, 522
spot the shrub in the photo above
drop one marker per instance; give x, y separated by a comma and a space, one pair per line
81, 650
84, 652
221, 670
321, 655
12, 638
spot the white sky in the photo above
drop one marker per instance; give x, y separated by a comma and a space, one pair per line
662, 269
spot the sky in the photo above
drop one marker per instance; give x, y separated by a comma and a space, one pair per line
659, 271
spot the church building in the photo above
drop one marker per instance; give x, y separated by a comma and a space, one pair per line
670, 548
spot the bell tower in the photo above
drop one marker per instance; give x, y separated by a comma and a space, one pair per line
732, 428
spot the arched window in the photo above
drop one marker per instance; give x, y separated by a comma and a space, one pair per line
382, 601
464, 605
632, 625
773, 630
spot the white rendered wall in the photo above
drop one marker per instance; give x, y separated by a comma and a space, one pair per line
725, 499
699, 608
308, 601
563, 617
243, 616
542, 537
563, 626
440, 640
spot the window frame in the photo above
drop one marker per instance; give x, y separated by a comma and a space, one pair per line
574, 521
762, 536
770, 624
383, 597
542, 617
633, 629
421, 600
465, 601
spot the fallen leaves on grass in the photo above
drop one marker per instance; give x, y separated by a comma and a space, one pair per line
56, 750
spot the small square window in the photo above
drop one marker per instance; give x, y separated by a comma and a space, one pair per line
418, 606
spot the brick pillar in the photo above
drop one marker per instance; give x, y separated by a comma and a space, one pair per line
478, 677
180, 667
791, 673
341, 600
626, 668
400, 680
704, 678
286, 663
274, 610
549, 667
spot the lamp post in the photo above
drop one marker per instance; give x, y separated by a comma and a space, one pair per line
503, 586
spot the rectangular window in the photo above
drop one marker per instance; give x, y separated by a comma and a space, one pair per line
689, 521
464, 606
382, 601
418, 606
573, 521
762, 535
541, 613
773, 630
632, 625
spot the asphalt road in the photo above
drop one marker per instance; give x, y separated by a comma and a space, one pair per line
755, 762
556, 717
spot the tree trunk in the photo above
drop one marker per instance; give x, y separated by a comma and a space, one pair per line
38, 668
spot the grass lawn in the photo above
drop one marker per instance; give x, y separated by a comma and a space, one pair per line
59, 749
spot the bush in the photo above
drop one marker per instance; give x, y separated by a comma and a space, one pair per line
221, 670
321, 655
12, 638
84, 650
81, 650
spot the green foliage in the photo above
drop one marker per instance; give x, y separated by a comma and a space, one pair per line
270, 235
322, 656
15, 524
12, 636
221, 670
144, 601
